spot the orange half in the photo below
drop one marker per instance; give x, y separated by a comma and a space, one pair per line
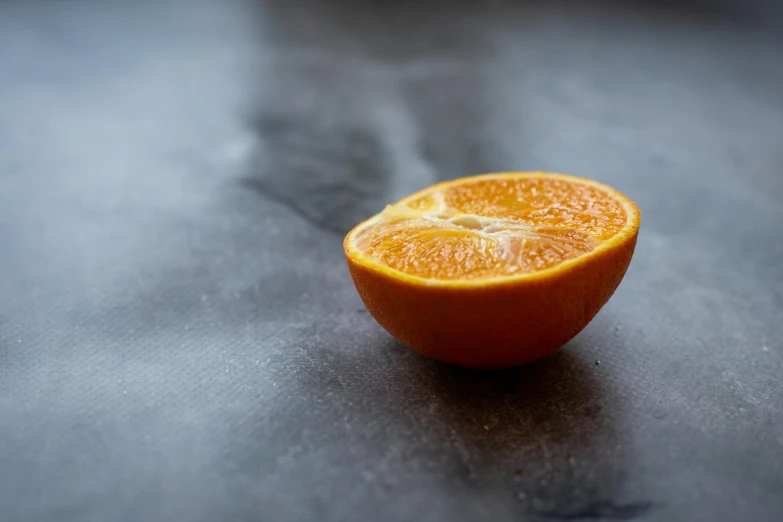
495, 270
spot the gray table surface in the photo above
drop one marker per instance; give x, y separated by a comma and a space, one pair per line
179, 336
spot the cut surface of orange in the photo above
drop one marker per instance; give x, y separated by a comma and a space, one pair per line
493, 270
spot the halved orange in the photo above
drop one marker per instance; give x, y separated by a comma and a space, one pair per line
494, 270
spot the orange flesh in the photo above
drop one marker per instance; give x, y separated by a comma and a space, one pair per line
492, 228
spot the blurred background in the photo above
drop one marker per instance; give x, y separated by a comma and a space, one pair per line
334, 108
179, 337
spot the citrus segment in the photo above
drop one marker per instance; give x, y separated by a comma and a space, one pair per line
540, 202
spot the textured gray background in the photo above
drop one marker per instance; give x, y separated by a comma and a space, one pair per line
179, 336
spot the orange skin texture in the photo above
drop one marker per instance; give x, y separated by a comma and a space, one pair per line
496, 325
